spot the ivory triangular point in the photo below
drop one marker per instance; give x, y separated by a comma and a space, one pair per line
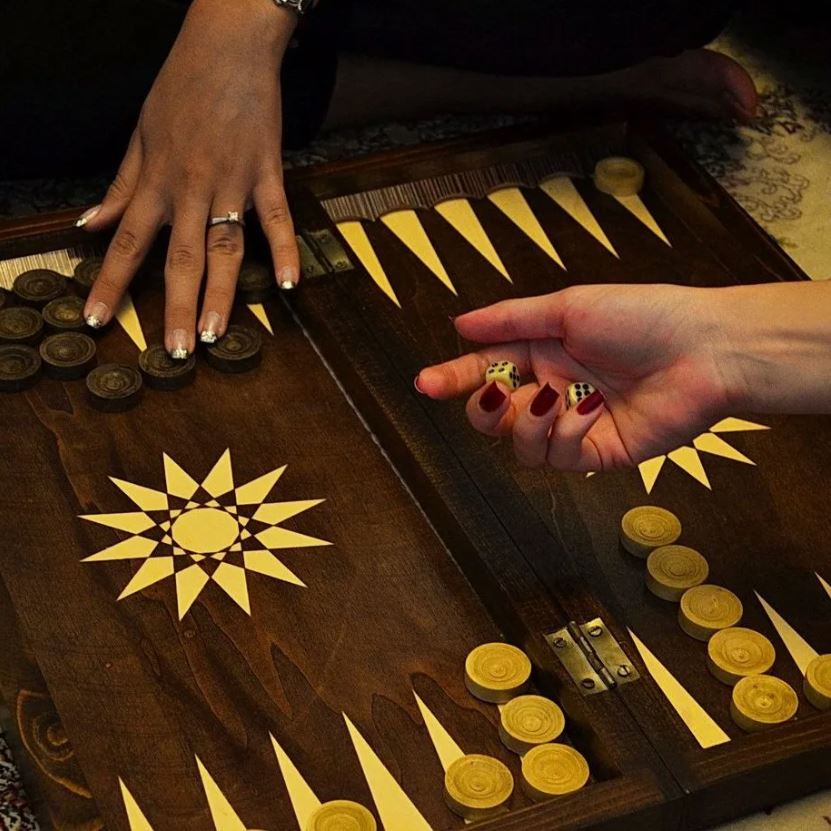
635, 206
258, 310
303, 799
460, 215
395, 809
562, 190
824, 584
129, 321
407, 226
798, 648
689, 461
650, 470
135, 818
736, 425
699, 722
717, 446
355, 237
446, 748
512, 203
223, 815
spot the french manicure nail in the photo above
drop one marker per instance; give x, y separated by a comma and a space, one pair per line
97, 316
492, 398
86, 216
179, 352
544, 401
287, 277
590, 404
415, 384
213, 322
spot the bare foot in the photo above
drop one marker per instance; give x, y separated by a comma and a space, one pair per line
700, 82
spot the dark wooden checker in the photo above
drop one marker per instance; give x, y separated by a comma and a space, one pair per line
129, 691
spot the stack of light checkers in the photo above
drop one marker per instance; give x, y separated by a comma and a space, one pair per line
478, 787
40, 304
736, 656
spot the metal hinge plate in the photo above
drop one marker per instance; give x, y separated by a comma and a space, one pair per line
592, 657
328, 250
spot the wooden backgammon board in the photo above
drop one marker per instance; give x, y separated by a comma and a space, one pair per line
227, 603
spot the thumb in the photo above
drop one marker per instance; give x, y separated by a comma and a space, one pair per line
529, 318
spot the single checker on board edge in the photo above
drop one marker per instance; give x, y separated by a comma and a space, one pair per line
478, 787
37, 287
86, 273
619, 176
68, 355
161, 372
672, 569
21, 325
817, 682
528, 721
737, 652
20, 367
760, 702
707, 609
256, 282
238, 350
65, 314
114, 388
553, 770
577, 392
341, 815
504, 372
497, 672
645, 528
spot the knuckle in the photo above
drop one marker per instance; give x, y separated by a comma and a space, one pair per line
107, 285
276, 213
126, 245
225, 245
180, 312
181, 258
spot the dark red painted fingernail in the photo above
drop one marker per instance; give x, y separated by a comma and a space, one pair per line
492, 398
544, 400
415, 384
590, 404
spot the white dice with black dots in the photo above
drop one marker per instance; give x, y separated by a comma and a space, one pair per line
505, 372
577, 392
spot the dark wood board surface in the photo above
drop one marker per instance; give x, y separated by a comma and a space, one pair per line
566, 526
139, 694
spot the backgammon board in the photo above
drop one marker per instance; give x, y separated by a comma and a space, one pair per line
238, 600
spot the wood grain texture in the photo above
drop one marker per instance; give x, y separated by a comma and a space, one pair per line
385, 611
565, 526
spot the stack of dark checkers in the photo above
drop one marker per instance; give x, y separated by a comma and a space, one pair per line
69, 353
248, 601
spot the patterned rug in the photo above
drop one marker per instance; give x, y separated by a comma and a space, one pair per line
778, 169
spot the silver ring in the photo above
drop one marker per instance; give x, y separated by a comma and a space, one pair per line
231, 218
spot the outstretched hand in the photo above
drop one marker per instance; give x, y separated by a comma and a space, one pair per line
654, 353
208, 143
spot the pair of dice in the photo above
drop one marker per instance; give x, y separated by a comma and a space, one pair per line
507, 373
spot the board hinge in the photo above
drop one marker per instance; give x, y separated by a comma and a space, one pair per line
592, 657
321, 253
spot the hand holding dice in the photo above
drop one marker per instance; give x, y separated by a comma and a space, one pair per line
589, 378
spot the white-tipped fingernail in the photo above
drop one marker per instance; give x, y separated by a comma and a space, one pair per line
212, 324
97, 316
86, 216
179, 347
287, 277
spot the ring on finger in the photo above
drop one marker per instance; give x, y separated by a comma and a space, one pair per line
231, 218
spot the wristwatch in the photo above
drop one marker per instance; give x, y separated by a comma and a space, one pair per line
300, 6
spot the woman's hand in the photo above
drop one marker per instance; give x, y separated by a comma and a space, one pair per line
657, 354
208, 142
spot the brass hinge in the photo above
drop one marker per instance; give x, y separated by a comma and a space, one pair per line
321, 253
592, 657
